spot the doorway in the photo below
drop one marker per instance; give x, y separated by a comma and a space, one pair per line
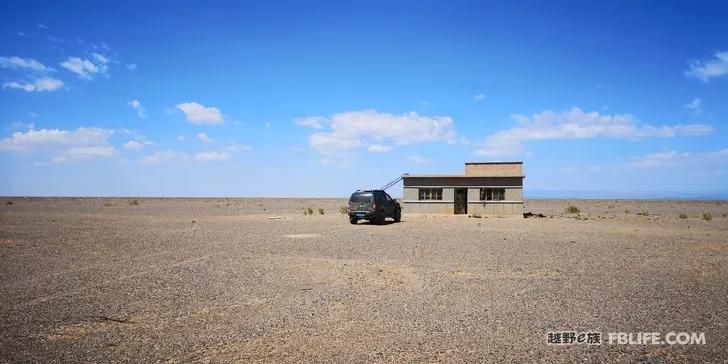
461, 201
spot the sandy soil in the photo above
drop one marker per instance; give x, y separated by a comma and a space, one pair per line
218, 280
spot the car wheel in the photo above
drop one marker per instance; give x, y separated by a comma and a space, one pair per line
398, 216
353, 220
379, 220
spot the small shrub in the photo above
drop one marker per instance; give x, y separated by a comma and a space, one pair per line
707, 216
719, 203
683, 216
572, 210
626, 211
724, 215
343, 210
305, 212
8, 202
643, 213
108, 204
321, 211
134, 202
610, 206
310, 211
476, 216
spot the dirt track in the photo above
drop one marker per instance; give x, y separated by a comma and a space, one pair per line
217, 280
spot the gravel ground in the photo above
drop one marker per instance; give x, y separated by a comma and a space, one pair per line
218, 280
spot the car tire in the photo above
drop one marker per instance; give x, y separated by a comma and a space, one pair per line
379, 220
398, 216
353, 220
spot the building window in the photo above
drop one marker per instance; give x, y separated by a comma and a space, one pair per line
492, 194
430, 193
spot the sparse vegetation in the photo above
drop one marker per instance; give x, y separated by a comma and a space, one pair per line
8, 202
610, 206
108, 204
683, 216
572, 210
707, 216
626, 211
724, 215
476, 215
643, 213
321, 211
308, 211
343, 210
134, 202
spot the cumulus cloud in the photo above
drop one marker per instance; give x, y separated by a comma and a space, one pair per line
315, 122
712, 68
133, 145
211, 156
49, 139
184, 158
234, 147
204, 138
377, 148
695, 105
131, 66
28, 64
85, 68
671, 158
39, 85
64, 145
137, 105
479, 97
200, 114
577, 124
365, 128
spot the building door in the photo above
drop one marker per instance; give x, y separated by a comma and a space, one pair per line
461, 200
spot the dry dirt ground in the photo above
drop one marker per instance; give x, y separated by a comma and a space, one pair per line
216, 280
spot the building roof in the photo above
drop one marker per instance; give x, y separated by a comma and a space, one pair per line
454, 176
493, 162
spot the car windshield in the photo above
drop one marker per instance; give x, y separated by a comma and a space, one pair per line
361, 198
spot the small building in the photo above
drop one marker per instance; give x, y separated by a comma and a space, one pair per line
486, 188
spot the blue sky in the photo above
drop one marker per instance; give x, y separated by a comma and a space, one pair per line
320, 98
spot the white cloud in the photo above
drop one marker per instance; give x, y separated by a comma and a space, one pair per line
54, 139
577, 124
137, 105
200, 114
24, 64
39, 85
184, 158
165, 156
695, 105
22, 34
84, 68
479, 97
133, 145
712, 68
377, 148
204, 138
238, 148
91, 152
42, 26
417, 159
100, 58
315, 122
211, 156
357, 129
131, 66
672, 158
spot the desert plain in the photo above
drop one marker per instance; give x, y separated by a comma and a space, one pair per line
257, 280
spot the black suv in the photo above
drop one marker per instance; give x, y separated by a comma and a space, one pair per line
374, 205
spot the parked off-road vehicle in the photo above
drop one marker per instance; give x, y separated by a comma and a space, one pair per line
374, 206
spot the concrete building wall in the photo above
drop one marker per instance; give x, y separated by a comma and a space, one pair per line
494, 169
513, 204
455, 181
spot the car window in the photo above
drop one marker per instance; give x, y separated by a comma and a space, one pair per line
361, 198
389, 199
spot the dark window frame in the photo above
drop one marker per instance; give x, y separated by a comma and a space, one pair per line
429, 194
492, 194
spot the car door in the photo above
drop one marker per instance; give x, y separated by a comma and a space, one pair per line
389, 203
